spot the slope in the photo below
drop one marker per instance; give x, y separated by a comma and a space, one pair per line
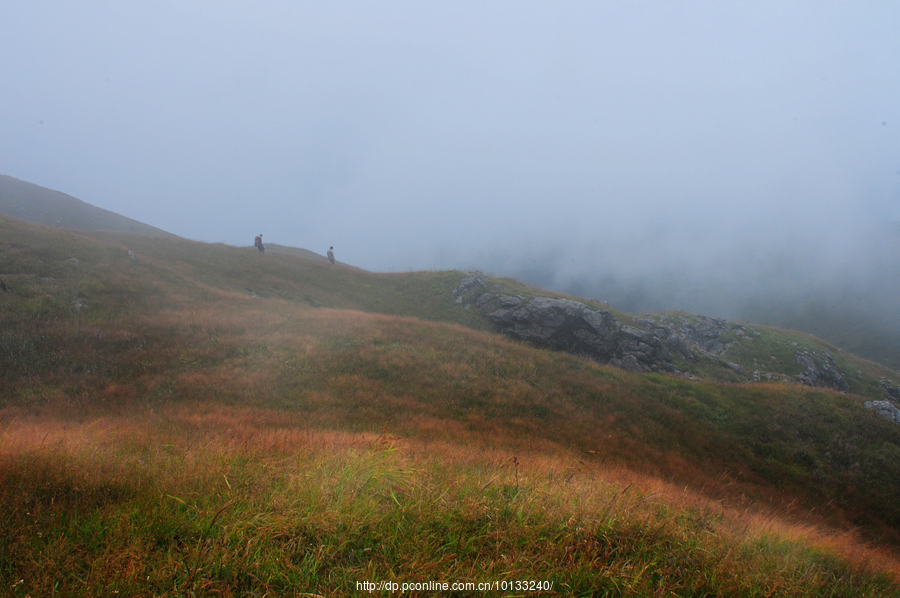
192, 345
38, 204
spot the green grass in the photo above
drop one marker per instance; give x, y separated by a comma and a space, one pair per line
176, 435
845, 319
182, 510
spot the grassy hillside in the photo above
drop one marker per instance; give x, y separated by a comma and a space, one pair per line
38, 204
295, 251
203, 420
848, 322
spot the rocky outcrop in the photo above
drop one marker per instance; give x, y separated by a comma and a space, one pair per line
468, 284
676, 344
647, 346
688, 338
827, 374
705, 333
554, 323
574, 327
641, 351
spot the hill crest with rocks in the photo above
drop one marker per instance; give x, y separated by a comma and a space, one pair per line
668, 343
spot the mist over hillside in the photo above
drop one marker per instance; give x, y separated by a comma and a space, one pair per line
837, 282
34, 203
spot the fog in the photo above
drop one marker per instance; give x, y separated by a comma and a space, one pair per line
689, 155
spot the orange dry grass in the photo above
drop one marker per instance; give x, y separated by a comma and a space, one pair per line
208, 438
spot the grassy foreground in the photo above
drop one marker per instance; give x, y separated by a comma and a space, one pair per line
228, 502
203, 421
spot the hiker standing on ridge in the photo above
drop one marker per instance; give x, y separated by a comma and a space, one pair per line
259, 244
330, 254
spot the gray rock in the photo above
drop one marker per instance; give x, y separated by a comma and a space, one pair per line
705, 333
483, 301
565, 325
827, 374
884, 409
508, 301
643, 345
735, 367
679, 346
574, 327
468, 285
560, 324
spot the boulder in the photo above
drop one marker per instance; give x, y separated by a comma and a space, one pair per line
557, 324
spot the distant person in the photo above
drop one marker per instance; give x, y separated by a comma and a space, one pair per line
259, 244
331, 254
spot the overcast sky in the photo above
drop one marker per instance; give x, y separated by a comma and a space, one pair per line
410, 135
